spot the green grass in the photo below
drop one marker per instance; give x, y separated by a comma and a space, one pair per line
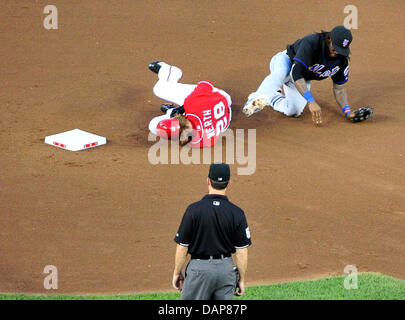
371, 286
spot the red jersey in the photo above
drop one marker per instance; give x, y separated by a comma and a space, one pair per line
209, 112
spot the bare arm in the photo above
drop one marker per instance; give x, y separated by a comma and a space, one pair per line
340, 93
241, 261
313, 106
179, 262
301, 85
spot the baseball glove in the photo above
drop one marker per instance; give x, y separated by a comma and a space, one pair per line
362, 114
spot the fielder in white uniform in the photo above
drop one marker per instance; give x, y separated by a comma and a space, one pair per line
168, 88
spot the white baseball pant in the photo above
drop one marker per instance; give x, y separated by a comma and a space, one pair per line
168, 88
291, 103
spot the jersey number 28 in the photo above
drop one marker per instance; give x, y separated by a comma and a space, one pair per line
219, 115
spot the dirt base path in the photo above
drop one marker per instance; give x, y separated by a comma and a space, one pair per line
320, 199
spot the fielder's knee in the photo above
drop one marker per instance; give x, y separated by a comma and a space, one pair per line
157, 89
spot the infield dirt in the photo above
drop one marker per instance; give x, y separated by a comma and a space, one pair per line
321, 197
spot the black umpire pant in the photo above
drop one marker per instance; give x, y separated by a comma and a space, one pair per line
212, 279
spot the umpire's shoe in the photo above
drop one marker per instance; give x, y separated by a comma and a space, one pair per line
155, 66
166, 106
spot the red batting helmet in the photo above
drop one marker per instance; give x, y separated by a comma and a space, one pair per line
169, 128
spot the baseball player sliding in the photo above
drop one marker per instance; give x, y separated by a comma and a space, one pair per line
202, 114
315, 57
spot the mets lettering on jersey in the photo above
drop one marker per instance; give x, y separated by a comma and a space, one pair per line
209, 113
318, 70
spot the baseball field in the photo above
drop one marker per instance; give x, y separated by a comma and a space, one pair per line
320, 198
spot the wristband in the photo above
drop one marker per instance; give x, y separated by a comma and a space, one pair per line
308, 96
346, 110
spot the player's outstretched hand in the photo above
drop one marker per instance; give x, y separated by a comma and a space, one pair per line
316, 112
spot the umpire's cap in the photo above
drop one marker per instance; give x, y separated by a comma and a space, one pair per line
219, 172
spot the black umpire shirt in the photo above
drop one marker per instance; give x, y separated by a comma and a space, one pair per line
213, 226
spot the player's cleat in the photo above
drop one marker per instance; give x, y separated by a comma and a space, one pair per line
255, 104
155, 66
165, 71
166, 106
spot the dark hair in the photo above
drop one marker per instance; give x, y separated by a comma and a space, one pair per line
324, 41
219, 185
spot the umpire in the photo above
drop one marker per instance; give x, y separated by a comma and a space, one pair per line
211, 230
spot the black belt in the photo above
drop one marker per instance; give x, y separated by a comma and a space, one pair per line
215, 256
